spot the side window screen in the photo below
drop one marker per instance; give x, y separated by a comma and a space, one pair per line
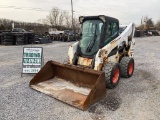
111, 32
114, 29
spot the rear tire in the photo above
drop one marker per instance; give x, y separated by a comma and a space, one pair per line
127, 67
112, 74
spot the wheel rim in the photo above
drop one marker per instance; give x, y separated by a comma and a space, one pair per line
115, 75
131, 66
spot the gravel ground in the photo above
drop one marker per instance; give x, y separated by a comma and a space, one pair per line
136, 98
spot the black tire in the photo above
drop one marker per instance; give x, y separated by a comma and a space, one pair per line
9, 33
8, 37
31, 41
20, 42
26, 42
127, 67
7, 43
112, 74
8, 40
2, 39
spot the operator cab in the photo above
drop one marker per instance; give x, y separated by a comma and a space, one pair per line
96, 32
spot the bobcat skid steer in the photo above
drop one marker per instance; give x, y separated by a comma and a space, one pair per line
103, 54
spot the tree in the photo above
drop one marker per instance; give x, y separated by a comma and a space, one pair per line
148, 22
68, 20
53, 17
76, 24
2, 27
61, 19
158, 25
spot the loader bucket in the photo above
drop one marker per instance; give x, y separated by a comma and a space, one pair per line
77, 86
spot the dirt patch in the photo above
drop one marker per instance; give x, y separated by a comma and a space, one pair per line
142, 81
144, 74
155, 86
111, 102
149, 77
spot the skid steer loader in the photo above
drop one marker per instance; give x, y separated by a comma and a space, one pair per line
103, 54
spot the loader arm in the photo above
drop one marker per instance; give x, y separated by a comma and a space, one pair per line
111, 51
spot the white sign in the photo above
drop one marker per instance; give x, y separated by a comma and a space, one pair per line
32, 59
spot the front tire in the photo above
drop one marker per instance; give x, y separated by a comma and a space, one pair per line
112, 74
